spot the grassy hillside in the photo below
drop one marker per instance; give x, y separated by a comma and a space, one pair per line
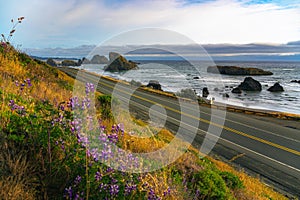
45, 153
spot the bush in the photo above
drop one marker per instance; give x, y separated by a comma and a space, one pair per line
231, 180
105, 106
210, 185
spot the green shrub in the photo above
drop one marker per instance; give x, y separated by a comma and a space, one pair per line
232, 181
105, 106
210, 185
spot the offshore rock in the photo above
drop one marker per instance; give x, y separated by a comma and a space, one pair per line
249, 84
236, 90
235, 70
154, 84
97, 59
276, 88
119, 63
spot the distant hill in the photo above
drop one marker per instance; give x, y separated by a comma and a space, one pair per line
253, 51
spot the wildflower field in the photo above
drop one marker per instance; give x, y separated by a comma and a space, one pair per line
52, 146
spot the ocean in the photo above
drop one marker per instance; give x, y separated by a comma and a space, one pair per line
177, 75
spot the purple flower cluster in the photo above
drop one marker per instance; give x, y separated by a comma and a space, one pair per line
23, 84
152, 195
101, 148
14, 107
129, 188
119, 128
70, 194
113, 137
114, 190
89, 88
77, 180
98, 176
73, 103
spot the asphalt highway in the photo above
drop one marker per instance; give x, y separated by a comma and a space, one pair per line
261, 147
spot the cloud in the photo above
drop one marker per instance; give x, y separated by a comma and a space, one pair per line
52, 23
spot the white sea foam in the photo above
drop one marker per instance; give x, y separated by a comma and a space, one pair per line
177, 75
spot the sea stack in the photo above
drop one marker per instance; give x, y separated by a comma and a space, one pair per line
119, 63
250, 84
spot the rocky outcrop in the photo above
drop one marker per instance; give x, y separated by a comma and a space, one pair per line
113, 56
154, 84
225, 95
69, 63
276, 88
97, 59
84, 60
295, 81
51, 62
205, 92
249, 84
236, 90
119, 63
235, 70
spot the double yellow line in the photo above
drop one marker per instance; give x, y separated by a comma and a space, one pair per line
212, 123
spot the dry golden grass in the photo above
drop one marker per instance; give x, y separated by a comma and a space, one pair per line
17, 179
48, 82
160, 182
254, 188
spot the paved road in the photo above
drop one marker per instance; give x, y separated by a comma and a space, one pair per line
265, 148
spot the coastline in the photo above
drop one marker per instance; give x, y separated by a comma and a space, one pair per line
217, 105
181, 76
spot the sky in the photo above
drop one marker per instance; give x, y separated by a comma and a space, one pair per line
71, 23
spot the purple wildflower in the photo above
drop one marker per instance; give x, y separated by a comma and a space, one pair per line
77, 180
167, 192
62, 107
69, 192
89, 88
152, 195
129, 188
114, 190
197, 194
28, 82
113, 138
98, 176
102, 187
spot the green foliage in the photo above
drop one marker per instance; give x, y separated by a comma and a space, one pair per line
210, 185
24, 58
232, 181
105, 106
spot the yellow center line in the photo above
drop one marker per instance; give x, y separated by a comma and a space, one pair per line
212, 123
